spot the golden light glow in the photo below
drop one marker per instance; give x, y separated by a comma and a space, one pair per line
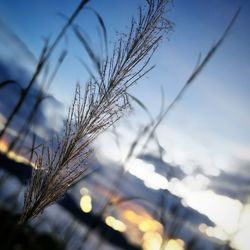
174, 245
135, 218
150, 230
132, 217
150, 225
86, 203
3, 146
151, 240
18, 158
11, 154
115, 224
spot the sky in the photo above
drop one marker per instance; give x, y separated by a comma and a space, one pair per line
218, 101
210, 127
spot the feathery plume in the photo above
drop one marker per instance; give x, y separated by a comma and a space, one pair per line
63, 160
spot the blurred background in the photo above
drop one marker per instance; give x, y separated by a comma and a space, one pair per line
188, 185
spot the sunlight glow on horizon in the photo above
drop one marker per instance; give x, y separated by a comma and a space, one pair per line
204, 201
3, 146
12, 154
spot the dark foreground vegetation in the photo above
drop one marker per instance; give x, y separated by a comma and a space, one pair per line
13, 237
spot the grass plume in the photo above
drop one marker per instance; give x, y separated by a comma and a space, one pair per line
62, 161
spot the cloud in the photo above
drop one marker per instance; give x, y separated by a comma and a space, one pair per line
17, 63
235, 185
9, 95
164, 168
